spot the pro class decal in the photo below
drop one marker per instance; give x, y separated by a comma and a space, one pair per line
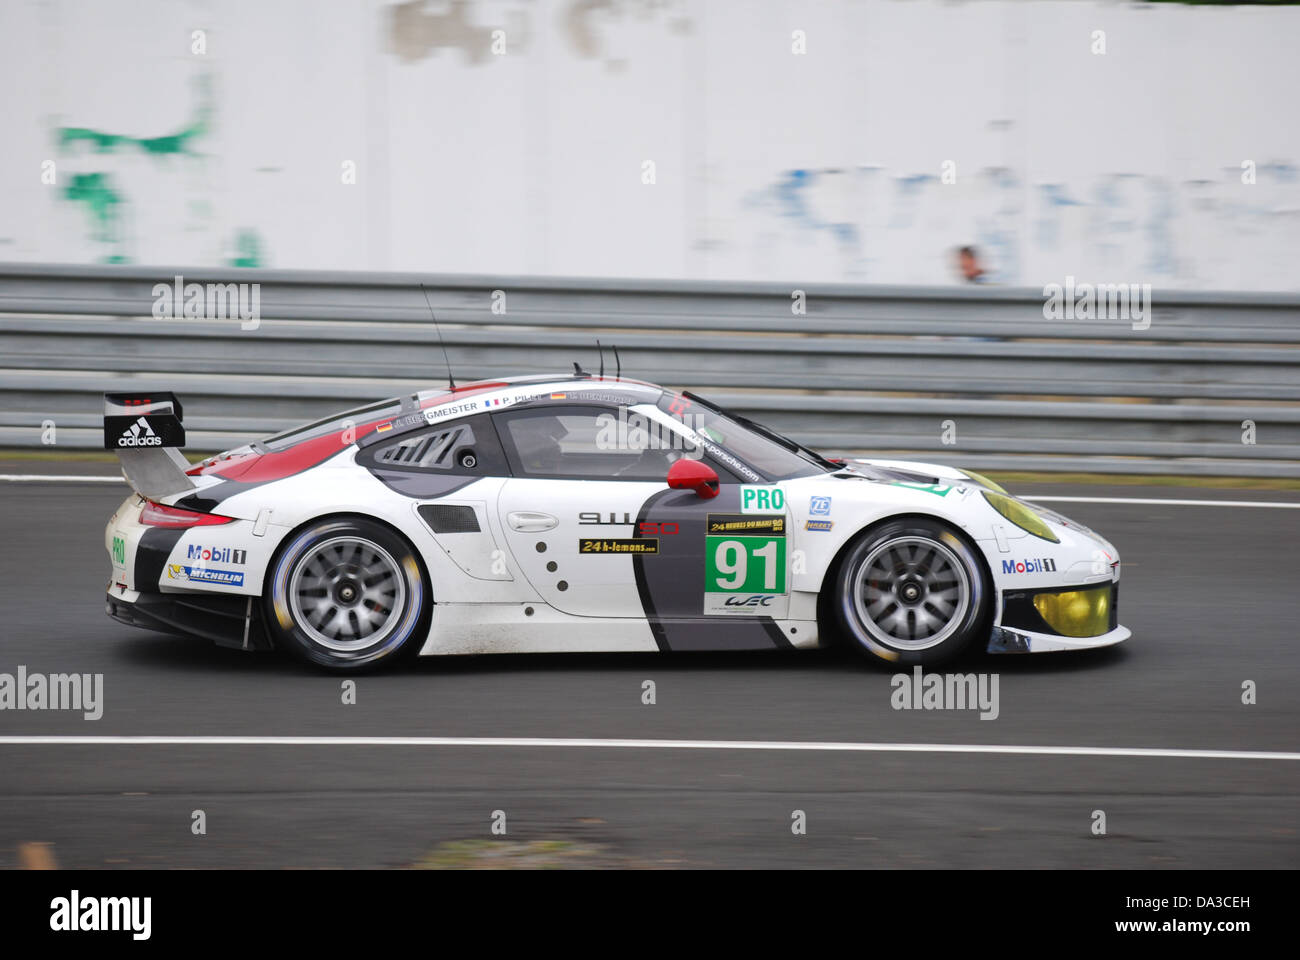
744, 564
761, 499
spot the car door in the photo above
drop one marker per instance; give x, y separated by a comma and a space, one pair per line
721, 580
597, 531
569, 512
730, 557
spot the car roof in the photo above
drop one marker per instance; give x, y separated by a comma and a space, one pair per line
584, 388
444, 405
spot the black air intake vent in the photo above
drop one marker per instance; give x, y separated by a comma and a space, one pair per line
449, 518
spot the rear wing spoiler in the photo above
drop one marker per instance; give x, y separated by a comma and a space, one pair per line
145, 430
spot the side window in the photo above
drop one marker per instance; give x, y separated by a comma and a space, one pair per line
467, 446
584, 443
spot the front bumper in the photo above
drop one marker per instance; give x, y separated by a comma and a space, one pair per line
1021, 627
1005, 640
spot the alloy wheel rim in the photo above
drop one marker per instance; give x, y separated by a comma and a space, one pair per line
347, 594
911, 593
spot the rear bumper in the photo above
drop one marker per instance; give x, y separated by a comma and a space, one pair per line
226, 621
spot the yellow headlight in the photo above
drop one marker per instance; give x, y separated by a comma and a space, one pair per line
1020, 515
984, 481
1076, 613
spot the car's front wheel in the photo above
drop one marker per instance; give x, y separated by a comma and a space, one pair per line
911, 591
347, 593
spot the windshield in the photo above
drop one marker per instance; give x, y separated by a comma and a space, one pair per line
772, 455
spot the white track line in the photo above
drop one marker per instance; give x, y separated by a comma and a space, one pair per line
1170, 503
56, 478
584, 742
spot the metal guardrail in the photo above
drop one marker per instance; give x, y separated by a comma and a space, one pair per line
890, 370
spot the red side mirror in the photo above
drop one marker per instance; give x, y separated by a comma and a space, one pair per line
693, 475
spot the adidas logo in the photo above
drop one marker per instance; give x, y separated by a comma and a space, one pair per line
139, 434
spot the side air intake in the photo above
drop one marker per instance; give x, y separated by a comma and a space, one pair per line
449, 518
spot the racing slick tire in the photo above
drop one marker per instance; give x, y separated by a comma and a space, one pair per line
347, 594
912, 592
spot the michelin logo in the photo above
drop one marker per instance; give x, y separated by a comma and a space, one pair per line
183, 571
139, 434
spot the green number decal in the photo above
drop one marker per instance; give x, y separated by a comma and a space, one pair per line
745, 565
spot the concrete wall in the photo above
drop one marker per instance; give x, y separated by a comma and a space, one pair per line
826, 165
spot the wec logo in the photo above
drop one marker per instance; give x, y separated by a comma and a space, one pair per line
139, 434
758, 600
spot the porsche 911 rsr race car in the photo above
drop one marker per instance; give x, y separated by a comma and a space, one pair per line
581, 513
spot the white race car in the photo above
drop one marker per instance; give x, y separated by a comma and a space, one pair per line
581, 513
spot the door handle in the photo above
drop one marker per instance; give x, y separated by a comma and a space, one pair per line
527, 521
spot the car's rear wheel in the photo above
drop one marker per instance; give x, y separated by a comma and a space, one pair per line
348, 593
912, 591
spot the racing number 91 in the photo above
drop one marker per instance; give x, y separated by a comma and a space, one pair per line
747, 564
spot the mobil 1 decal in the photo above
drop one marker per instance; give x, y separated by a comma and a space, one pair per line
744, 564
670, 582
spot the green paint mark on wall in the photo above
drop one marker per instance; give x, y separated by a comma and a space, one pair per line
168, 145
248, 250
104, 203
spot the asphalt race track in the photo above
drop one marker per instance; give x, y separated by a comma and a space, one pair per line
1210, 593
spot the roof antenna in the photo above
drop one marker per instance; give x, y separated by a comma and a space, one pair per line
602, 360
451, 381
618, 374
578, 371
